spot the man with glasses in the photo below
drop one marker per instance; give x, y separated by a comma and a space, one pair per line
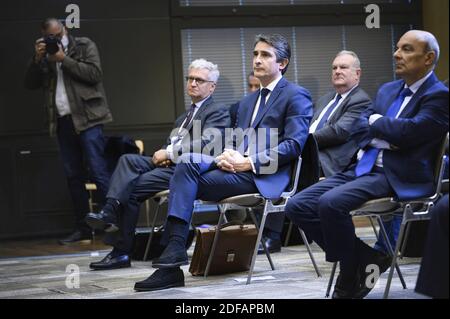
137, 177
280, 109
68, 69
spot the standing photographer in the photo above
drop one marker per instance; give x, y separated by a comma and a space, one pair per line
68, 69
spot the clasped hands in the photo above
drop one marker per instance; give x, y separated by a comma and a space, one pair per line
161, 158
233, 162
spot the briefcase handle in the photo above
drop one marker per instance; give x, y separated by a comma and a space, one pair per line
232, 223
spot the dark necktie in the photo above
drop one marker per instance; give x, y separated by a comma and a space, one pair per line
365, 164
189, 116
188, 119
325, 117
262, 102
262, 105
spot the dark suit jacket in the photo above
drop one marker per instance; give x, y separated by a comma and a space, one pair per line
289, 110
417, 133
335, 148
233, 113
212, 116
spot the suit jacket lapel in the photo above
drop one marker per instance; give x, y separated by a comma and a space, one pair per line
273, 96
248, 109
320, 108
422, 89
391, 99
200, 111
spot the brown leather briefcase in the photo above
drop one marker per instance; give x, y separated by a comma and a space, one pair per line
233, 253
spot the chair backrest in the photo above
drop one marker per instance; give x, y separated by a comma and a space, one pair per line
440, 165
305, 170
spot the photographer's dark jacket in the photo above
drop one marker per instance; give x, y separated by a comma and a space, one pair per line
83, 83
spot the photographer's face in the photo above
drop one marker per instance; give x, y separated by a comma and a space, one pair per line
56, 29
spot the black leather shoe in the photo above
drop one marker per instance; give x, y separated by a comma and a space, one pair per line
171, 258
273, 245
161, 279
75, 237
382, 261
103, 221
110, 262
346, 290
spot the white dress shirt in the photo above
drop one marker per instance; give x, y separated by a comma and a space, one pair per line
61, 99
176, 139
313, 126
382, 144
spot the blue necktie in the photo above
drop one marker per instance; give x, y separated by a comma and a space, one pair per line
325, 117
262, 105
262, 102
369, 157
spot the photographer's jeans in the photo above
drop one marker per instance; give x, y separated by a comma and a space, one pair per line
83, 159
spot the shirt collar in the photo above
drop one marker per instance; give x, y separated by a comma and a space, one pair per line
344, 95
198, 104
272, 84
416, 85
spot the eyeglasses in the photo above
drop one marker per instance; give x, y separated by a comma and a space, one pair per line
199, 81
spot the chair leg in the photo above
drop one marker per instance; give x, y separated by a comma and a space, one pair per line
288, 234
258, 239
330, 281
391, 250
311, 256
152, 228
222, 217
263, 241
394, 260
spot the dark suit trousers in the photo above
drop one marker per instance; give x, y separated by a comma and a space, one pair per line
199, 178
87, 147
322, 210
134, 180
433, 274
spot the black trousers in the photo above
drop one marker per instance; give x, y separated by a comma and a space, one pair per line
322, 210
134, 180
434, 269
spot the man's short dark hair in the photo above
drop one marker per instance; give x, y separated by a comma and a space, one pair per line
49, 21
279, 43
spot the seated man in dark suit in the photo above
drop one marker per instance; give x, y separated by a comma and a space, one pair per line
398, 139
137, 178
334, 114
281, 109
434, 269
253, 85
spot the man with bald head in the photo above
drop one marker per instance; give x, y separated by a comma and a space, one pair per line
398, 137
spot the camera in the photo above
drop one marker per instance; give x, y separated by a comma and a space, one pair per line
51, 43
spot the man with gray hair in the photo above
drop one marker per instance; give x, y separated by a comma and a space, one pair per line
279, 110
331, 125
137, 177
335, 112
